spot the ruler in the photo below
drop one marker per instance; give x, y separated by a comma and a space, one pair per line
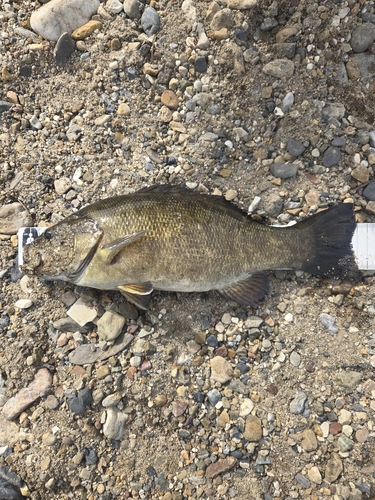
363, 244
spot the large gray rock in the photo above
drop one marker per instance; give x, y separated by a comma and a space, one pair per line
362, 37
62, 16
279, 68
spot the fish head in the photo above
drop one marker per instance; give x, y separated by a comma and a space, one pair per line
63, 251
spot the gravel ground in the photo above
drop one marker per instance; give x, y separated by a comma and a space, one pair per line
271, 105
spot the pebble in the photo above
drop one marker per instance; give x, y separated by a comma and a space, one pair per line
110, 325
288, 102
80, 403
369, 192
82, 313
253, 429
246, 407
214, 396
114, 6
312, 197
309, 442
223, 19
314, 475
295, 359
64, 48
333, 469
86, 30
62, 185
115, 424
201, 64
231, 194
328, 322
344, 443
362, 37
123, 109
331, 157
362, 434
242, 4
361, 174
279, 68
297, 405
303, 481
132, 9
169, 99
295, 148
85, 354
25, 397
56, 17
221, 370
150, 21
220, 467
23, 303
283, 170
349, 380
12, 217
69, 325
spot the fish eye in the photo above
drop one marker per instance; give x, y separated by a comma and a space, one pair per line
47, 235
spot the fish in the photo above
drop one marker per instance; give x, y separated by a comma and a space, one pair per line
170, 238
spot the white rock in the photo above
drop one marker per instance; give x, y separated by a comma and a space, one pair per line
23, 303
246, 407
242, 4
114, 6
114, 425
62, 16
82, 313
203, 42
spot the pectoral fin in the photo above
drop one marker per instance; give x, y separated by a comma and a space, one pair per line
251, 291
138, 293
114, 247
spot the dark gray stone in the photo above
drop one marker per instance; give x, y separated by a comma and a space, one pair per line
295, 148
150, 21
5, 106
366, 64
287, 50
283, 170
10, 485
303, 480
369, 191
79, 404
268, 24
362, 37
201, 64
338, 142
214, 396
64, 48
331, 156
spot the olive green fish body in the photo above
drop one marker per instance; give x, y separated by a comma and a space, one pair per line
170, 239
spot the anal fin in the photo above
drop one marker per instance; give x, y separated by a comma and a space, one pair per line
251, 291
138, 293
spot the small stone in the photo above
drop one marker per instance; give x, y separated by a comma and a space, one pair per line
132, 9
309, 442
312, 197
64, 48
303, 481
214, 396
201, 64
328, 322
123, 109
111, 400
314, 475
220, 466
349, 380
223, 19
345, 417
331, 157
160, 400
246, 407
344, 443
335, 428
57, 17
85, 354
203, 41
334, 468
297, 405
169, 99
268, 24
279, 68
110, 325
295, 359
101, 120
361, 174
12, 217
283, 170
295, 148
253, 429
362, 37
150, 21
82, 313
242, 4
25, 397
79, 404
115, 423
86, 30
369, 192
62, 185
221, 370
353, 70
231, 194
178, 408
23, 303
362, 434
114, 6
274, 205
284, 34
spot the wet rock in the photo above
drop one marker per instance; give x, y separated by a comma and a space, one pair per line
12, 217
221, 466
362, 37
297, 405
59, 16
115, 424
253, 429
295, 148
369, 191
132, 8
283, 170
25, 397
279, 68
333, 469
150, 21
64, 48
221, 370
79, 404
110, 325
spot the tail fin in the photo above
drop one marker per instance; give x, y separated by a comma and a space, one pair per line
329, 234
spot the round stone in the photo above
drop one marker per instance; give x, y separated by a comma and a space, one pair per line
150, 21
295, 148
283, 170
169, 99
362, 37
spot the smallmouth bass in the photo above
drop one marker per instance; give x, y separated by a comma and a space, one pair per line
168, 238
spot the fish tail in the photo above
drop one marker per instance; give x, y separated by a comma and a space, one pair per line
328, 236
